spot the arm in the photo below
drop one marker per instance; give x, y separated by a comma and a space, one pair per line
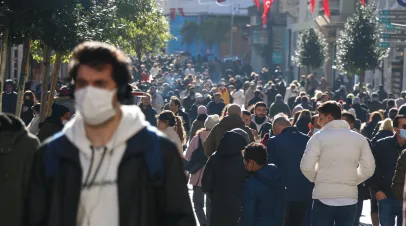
209, 144
376, 178
208, 177
271, 151
178, 209
249, 204
310, 158
398, 181
192, 147
366, 166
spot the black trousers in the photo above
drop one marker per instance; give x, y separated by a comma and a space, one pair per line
296, 213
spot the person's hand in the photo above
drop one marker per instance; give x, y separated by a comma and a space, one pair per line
380, 196
255, 133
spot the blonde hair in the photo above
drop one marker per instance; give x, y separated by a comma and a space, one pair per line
386, 125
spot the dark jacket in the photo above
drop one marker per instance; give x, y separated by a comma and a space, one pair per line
361, 113
226, 124
279, 107
380, 135
261, 128
398, 181
254, 100
215, 109
17, 152
369, 130
185, 118
223, 180
197, 124
386, 152
27, 115
188, 102
264, 198
150, 114
9, 102
50, 127
375, 106
302, 125
55, 202
286, 151
271, 94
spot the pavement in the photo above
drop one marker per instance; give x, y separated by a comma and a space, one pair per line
365, 216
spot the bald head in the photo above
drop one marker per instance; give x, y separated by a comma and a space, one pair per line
280, 123
234, 109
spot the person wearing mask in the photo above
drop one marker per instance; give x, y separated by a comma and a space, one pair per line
264, 190
260, 121
157, 102
224, 177
26, 111
33, 127
386, 152
314, 126
372, 123
216, 106
199, 122
336, 167
196, 178
279, 107
285, 150
148, 110
53, 124
257, 98
175, 107
172, 127
233, 120
9, 97
375, 104
131, 161
18, 148
389, 105
362, 114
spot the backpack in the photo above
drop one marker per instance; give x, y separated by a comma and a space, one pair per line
198, 159
153, 159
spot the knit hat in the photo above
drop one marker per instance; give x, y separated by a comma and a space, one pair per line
202, 110
211, 121
356, 101
352, 111
242, 133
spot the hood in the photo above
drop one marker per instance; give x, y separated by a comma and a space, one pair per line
132, 121
231, 144
232, 121
269, 175
12, 130
336, 124
202, 117
171, 133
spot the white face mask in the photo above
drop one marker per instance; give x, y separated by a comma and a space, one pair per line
95, 104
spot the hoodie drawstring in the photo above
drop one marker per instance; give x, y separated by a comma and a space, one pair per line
88, 184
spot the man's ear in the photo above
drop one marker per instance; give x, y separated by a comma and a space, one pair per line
310, 126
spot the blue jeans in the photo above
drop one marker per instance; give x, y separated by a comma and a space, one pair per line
323, 214
389, 209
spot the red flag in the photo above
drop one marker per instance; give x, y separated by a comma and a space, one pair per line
312, 5
181, 11
326, 7
363, 2
256, 2
173, 12
267, 8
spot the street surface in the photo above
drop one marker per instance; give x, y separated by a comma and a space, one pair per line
365, 217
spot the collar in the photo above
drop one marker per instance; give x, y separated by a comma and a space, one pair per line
336, 124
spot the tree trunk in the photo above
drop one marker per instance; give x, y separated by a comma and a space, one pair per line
23, 75
54, 79
4, 47
45, 80
361, 81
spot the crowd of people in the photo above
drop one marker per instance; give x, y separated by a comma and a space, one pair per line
256, 149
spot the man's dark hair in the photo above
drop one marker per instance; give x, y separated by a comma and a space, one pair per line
176, 101
256, 152
391, 103
314, 119
397, 119
393, 112
247, 113
260, 104
304, 100
349, 116
96, 55
330, 107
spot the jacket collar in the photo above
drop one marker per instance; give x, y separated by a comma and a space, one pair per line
290, 129
336, 124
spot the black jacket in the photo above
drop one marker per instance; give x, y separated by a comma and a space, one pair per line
150, 114
375, 106
380, 135
279, 107
361, 113
223, 180
386, 152
55, 202
17, 153
213, 108
50, 127
9, 102
185, 118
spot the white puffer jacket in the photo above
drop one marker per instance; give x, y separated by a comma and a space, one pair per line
337, 160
